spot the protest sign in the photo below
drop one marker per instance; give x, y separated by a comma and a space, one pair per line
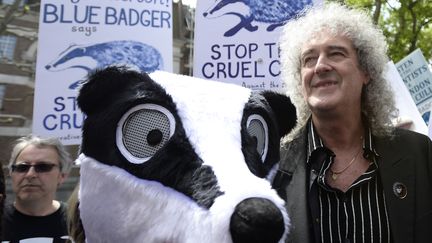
78, 36
237, 41
404, 103
417, 77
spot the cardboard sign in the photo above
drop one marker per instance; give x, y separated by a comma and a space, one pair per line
417, 77
237, 42
78, 36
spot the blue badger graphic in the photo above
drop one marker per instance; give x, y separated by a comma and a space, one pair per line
90, 57
273, 12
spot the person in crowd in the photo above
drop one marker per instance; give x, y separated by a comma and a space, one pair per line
75, 227
37, 167
347, 174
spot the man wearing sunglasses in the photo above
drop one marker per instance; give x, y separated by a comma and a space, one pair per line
37, 167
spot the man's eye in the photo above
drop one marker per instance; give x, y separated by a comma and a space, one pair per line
309, 61
336, 54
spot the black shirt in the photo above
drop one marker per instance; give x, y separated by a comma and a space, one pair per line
18, 226
357, 215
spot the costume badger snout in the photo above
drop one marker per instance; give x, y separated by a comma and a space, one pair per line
171, 158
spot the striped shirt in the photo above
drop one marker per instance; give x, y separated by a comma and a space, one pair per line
358, 215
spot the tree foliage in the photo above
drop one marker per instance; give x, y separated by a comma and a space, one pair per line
407, 24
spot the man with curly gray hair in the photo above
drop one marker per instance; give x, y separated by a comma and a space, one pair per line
37, 167
347, 174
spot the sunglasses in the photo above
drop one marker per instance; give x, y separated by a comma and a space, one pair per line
39, 168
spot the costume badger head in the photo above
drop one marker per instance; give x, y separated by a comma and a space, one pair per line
171, 158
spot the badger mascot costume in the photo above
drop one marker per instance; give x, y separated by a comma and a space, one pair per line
168, 158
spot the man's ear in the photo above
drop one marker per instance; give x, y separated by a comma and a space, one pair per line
367, 78
61, 178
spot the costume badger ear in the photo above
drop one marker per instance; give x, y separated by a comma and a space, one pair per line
283, 110
98, 90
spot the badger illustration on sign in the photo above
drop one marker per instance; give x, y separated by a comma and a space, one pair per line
172, 158
135, 54
275, 13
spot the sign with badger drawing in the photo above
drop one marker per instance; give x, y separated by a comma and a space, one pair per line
236, 41
77, 37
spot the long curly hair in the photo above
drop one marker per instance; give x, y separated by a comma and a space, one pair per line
378, 105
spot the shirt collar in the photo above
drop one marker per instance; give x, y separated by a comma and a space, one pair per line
314, 140
315, 143
368, 146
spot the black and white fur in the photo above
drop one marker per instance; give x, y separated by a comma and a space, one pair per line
206, 182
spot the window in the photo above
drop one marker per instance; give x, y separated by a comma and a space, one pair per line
11, 2
7, 47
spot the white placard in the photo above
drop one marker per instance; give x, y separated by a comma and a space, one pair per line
417, 77
430, 125
237, 41
407, 108
79, 36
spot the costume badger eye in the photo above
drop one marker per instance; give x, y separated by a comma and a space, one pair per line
258, 130
143, 130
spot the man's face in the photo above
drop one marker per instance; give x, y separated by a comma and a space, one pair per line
331, 76
32, 185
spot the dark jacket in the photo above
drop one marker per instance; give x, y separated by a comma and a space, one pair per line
406, 159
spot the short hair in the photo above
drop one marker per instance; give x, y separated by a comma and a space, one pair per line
65, 160
378, 105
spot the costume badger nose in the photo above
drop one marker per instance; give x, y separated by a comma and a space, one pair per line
256, 220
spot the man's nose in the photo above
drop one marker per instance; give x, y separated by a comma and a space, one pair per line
31, 172
322, 65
